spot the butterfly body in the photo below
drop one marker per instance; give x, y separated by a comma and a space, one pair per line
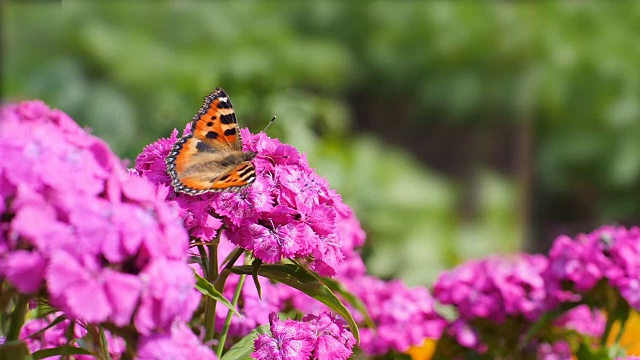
210, 159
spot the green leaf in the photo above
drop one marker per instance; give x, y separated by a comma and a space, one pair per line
299, 278
242, 349
254, 275
55, 322
355, 301
61, 350
14, 350
208, 289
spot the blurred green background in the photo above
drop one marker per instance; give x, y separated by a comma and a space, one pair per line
454, 130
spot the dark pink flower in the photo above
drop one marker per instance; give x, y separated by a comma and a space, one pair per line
609, 253
333, 340
584, 320
289, 340
495, 288
195, 211
560, 350
403, 316
76, 228
178, 343
288, 212
170, 296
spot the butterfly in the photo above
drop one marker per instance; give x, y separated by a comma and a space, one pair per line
210, 159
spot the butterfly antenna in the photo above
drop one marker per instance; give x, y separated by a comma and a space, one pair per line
269, 124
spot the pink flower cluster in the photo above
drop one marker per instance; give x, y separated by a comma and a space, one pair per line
610, 253
522, 288
403, 316
315, 337
74, 225
495, 288
288, 212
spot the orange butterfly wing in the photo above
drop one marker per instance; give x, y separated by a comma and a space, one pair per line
211, 157
215, 124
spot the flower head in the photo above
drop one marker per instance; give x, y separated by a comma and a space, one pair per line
289, 340
178, 343
76, 227
288, 212
609, 253
495, 288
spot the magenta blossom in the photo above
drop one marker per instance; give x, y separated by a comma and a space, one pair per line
288, 212
77, 228
609, 253
495, 288
315, 337
178, 343
559, 350
403, 316
333, 340
289, 340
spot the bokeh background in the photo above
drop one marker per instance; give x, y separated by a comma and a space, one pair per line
455, 130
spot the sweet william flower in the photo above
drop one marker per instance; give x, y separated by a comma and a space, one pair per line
196, 211
289, 340
178, 343
609, 253
403, 316
333, 340
77, 228
288, 212
495, 288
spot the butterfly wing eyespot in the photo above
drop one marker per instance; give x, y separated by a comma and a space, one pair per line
210, 159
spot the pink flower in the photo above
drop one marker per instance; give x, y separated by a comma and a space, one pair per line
288, 212
610, 253
168, 295
584, 320
289, 340
77, 228
195, 211
403, 316
178, 343
495, 288
559, 350
333, 340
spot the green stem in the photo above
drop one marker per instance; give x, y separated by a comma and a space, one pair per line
224, 274
203, 257
104, 347
210, 304
227, 321
18, 318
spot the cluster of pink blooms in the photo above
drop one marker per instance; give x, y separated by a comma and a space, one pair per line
526, 286
495, 288
288, 212
76, 227
610, 253
319, 337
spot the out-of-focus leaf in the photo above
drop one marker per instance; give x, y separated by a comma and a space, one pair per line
242, 349
14, 350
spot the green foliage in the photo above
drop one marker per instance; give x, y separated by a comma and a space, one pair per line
135, 72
